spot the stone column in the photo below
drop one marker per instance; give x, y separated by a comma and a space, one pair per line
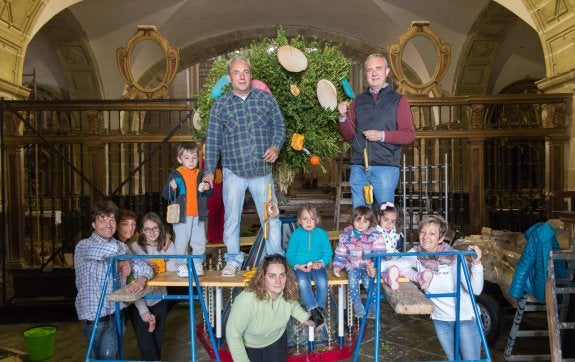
15, 207
477, 210
97, 171
554, 147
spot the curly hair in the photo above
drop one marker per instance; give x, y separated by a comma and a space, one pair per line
155, 218
126, 214
257, 283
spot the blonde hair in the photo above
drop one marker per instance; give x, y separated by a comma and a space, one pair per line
311, 210
435, 220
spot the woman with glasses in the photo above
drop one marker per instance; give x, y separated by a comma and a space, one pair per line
149, 315
256, 327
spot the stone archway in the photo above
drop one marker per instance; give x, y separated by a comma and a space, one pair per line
209, 48
70, 44
480, 50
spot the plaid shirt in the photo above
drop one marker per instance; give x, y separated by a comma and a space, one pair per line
240, 131
91, 259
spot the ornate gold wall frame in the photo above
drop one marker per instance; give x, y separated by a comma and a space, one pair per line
124, 62
443, 58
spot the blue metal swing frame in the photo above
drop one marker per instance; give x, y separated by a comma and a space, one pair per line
457, 294
193, 283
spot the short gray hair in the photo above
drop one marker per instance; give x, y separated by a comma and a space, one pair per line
238, 59
374, 56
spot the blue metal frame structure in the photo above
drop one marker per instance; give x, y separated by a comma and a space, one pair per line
256, 253
193, 283
379, 297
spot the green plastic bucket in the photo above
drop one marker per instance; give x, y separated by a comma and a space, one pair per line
40, 342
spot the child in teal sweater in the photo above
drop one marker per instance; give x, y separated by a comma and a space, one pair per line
309, 252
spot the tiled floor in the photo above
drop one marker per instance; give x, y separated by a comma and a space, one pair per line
403, 338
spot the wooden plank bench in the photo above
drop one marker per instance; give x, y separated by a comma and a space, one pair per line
250, 240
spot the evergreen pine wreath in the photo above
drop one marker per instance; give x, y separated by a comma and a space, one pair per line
303, 114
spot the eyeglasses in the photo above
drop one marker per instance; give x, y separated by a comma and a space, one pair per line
155, 229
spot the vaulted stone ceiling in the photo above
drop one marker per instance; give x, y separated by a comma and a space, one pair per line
91, 30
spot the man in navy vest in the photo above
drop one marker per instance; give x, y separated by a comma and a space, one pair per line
378, 122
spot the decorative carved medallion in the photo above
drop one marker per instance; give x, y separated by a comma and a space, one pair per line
443, 57
124, 61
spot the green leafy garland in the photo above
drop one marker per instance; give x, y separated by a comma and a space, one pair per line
303, 114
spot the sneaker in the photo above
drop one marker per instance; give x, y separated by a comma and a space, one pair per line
316, 317
424, 278
182, 271
391, 278
230, 270
199, 270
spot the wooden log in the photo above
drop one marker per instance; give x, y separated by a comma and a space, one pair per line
121, 295
407, 299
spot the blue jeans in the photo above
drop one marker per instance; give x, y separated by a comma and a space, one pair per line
383, 178
233, 194
354, 276
469, 339
106, 340
304, 284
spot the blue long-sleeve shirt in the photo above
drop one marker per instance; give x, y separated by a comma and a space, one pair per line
240, 131
305, 246
91, 258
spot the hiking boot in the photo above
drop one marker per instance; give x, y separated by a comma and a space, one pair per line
424, 278
358, 310
316, 317
230, 270
392, 276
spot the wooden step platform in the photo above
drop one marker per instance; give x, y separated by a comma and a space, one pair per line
407, 299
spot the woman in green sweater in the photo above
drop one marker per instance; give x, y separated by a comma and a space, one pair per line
256, 327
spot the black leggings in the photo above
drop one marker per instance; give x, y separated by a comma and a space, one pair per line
276, 352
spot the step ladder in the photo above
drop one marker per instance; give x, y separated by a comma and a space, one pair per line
559, 315
515, 332
343, 203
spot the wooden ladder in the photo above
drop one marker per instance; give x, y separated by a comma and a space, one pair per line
343, 204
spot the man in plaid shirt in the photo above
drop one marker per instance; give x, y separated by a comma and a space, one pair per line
91, 259
246, 130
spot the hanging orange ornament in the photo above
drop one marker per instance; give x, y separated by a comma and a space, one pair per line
314, 160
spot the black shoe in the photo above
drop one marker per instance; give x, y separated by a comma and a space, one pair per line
316, 317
